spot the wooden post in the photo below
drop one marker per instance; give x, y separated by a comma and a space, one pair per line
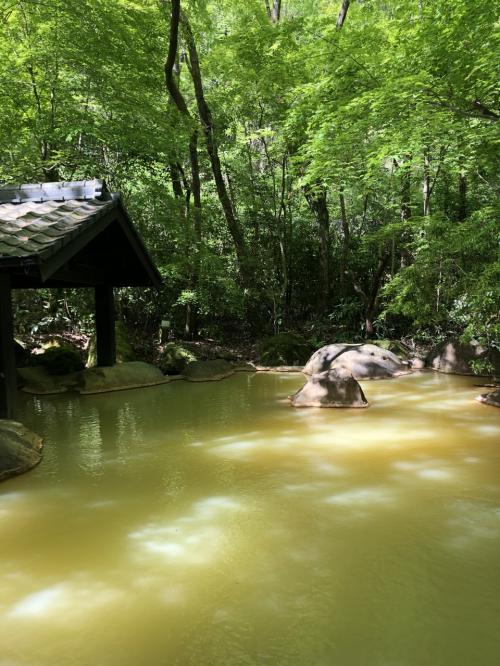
8, 379
105, 325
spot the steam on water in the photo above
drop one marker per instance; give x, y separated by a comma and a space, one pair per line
214, 524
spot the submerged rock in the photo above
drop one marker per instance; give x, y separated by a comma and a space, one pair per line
207, 371
458, 358
135, 374
332, 388
20, 449
492, 398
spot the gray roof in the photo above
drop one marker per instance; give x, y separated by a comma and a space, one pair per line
40, 229
46, 227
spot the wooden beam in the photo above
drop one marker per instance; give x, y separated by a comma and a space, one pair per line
105, 325
86, 276
8, 379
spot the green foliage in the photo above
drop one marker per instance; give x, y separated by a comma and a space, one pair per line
285, 349
454, 279
405, 94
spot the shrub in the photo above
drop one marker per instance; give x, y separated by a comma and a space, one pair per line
59, 360
286, 349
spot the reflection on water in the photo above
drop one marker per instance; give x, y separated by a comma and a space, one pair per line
213, 524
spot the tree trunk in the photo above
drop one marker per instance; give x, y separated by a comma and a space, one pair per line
175, 172
343, 13
405, 212
405, 206
372, 300
462, 197
426, 190
318, 204
213, 153
345, 240
276, 11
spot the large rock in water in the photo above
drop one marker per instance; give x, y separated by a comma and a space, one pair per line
492, 398
37, 380
322, 359
457, 358
371, 362
20, 449
332, 388
361, 361
207, 371
135, 374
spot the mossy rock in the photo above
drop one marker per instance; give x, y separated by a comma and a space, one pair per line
332, 388
285, 349
59, 360
135, 374
175, 358
208, 371
124, 351
464, 358
20, 449
39, 381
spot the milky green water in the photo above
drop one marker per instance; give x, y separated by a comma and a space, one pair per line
200, 524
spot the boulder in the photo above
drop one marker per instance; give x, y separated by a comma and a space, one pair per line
208, 371
174, 358
39, 381
322, 359
417, 363
135, 374
371, 362
458, 358
492, 398
331, 388
20, 449
363, 361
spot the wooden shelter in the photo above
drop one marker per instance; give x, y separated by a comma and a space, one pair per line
66, 235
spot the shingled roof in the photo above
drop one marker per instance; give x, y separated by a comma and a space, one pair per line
49, 230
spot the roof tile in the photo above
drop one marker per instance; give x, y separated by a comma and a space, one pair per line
31, 228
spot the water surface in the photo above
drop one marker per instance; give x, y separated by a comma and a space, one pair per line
194, 524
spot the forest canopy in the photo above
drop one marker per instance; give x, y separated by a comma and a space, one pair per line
329, 167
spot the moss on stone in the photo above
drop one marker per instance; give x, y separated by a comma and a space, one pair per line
175, 358
134, 374
285, 349
61, 360
206, 371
